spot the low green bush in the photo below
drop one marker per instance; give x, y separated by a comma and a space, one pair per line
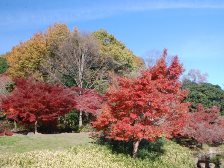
69, 122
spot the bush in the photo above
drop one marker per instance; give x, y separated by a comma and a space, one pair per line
86, 128
69, 122
5, 126
205, 125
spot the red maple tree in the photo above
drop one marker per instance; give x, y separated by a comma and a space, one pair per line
205, 125
88, 100
147, 107
32, 102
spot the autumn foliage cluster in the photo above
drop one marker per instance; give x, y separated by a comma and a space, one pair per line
87, 100
58, 71
73, 59
33, 101
148, 107
205, 125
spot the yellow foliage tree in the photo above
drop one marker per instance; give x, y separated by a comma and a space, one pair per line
111, 47
55, 35
25, 59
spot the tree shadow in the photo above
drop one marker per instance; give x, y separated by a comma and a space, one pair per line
151, 150
147, 150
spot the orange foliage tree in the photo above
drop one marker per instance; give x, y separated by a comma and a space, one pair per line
26, 58
147, 107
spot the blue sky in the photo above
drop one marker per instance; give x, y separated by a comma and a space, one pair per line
191, 29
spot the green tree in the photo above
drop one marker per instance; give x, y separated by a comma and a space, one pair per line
123, 58
205, 93
3, 65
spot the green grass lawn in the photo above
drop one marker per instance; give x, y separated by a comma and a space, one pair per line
24, 143
76, 151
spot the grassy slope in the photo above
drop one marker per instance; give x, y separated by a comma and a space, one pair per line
53, 151
39, 142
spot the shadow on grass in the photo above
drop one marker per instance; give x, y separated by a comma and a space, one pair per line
147, 150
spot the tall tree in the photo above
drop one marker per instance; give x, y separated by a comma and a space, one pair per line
196, 76
147, 107
55, 35
123, 59
207, 94
3, 65
25, 59
32, 102
78, 59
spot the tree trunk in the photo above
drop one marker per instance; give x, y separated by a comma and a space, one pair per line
80, 119
207, 164
203, 146
15, 126
135, 148
80, 79
35, 127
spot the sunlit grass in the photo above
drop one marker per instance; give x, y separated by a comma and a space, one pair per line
55, 151
40, 142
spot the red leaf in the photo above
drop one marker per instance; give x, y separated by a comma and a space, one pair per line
153, 102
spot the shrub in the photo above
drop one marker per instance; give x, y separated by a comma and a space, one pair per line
69, 122
205, 125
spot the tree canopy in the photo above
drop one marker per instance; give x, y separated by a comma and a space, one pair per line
147, 107
205, 125
124, 58
25, 59
205, 93
32, 101
3, 65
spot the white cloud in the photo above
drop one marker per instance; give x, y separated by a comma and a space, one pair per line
97, 10
173, 4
